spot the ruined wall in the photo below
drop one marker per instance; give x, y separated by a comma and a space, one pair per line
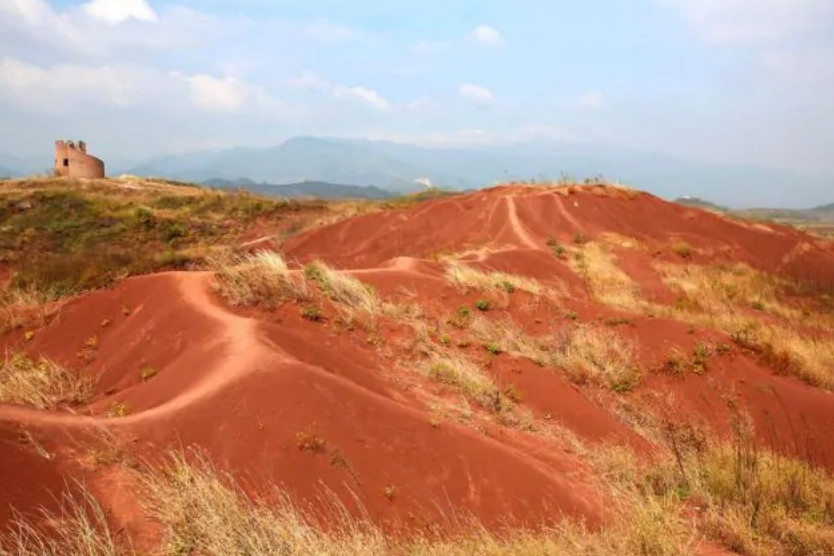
72, 161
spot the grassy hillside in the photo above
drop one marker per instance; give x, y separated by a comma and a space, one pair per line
67, 236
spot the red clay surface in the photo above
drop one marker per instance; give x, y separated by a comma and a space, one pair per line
243, 385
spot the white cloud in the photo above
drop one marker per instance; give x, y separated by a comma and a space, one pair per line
484, 34
119, 11
367, 96
592, 100
218, 95
429, 47
475, 93
755, 21
32, 25
60, 87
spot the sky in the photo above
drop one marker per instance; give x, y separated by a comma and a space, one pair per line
724, 81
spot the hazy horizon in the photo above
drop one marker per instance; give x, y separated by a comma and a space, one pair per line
727, 82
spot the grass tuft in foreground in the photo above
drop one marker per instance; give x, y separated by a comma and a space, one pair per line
42, 383
752, 501
79, 528
203, 511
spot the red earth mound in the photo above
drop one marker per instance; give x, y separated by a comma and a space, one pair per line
523, 217
320, 409
246, 392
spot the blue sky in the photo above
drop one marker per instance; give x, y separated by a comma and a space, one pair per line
730, 81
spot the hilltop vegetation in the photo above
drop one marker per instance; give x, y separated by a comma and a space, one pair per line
65, 236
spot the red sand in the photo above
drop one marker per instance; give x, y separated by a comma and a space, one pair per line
242, 385
524, 218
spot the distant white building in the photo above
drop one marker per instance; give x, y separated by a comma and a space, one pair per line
425, 182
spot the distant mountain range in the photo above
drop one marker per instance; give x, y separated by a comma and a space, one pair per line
317, 189
823, 214
398, 167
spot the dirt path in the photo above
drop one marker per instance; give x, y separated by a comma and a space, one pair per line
518, 228
565, 214
244, 351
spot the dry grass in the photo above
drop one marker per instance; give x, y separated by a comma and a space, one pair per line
29, 307
606, 282
43, 384
78, 529
510, 339
467, 278
617, 240
596, 355
260, 278
463, 375
352, 295
588, 354
203, 511
727, 298
753, 502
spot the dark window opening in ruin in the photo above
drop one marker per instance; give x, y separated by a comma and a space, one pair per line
66, 162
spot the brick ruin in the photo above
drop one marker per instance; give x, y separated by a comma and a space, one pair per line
72, 161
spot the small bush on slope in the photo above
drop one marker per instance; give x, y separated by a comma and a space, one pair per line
42, 384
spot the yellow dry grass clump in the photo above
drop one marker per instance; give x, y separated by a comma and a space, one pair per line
467, 278
29, 307
79, 528
351, 294
456, 370
606, 282
733, 298
728, 298
259, 278
42, 383
586, 353
203, 511
264, 278
752, 501
596, 355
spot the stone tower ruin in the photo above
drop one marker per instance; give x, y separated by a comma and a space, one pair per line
72, 161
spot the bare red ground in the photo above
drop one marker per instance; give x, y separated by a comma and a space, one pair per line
243, 385
243, 391
526, 217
